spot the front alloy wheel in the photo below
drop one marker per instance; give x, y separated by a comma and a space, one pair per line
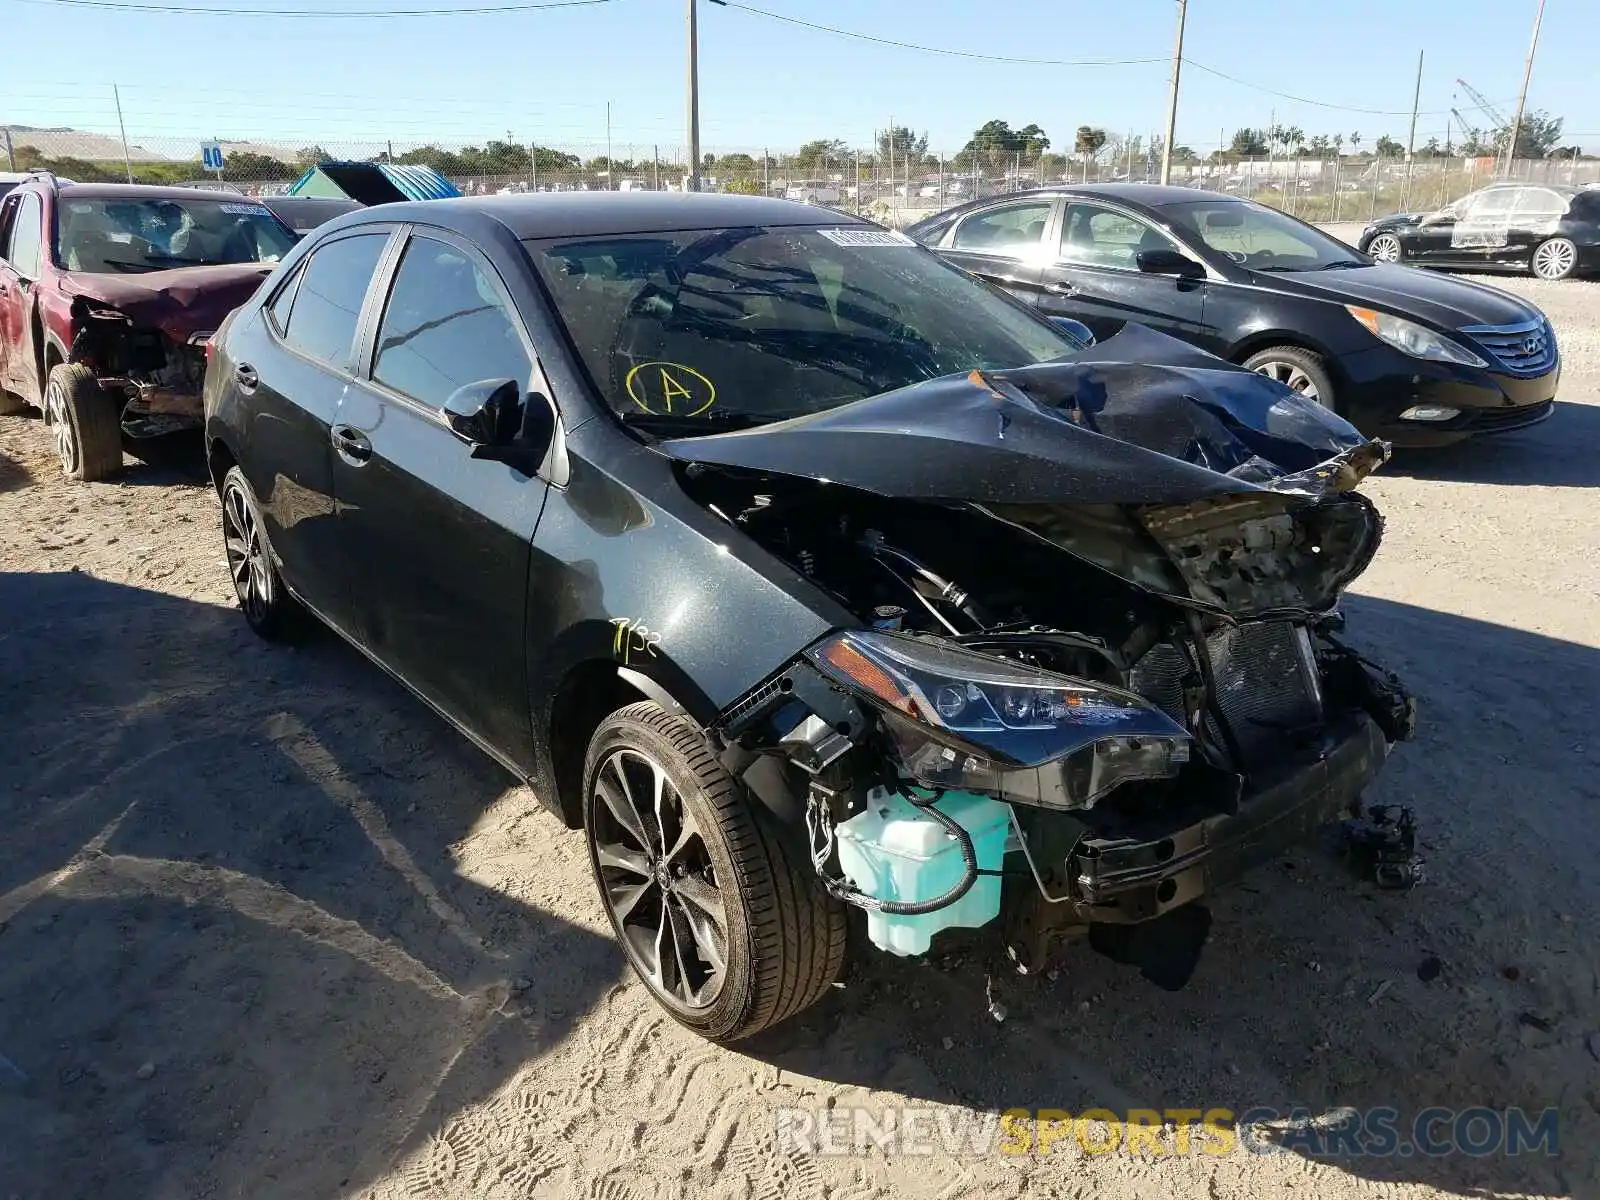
1555, 258
60, 423
714, 900
659, 881
1385, 247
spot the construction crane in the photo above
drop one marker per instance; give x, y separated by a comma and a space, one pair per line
1489, 110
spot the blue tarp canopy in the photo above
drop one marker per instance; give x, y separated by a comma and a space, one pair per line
373, 183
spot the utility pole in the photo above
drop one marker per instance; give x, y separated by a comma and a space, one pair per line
611, 172
11, 153
127, 163
655, 159
691, 181
1172, 102
1522, 97
1411, 138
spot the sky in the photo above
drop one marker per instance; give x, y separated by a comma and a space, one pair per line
770, 84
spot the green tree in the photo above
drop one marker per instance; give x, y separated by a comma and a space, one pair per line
816, 156
1088, 142
904, 144
246, 164
1249, 143
312, 156
1538, 135
1387, 147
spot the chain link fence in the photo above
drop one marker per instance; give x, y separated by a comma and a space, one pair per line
895, 186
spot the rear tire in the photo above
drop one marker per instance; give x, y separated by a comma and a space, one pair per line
86, 422
268, 607
1303, 370
668, 870
1554, 258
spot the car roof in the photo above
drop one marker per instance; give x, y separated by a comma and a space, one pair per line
141, 191
584, 214
1149, 195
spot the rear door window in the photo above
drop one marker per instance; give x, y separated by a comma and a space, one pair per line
446, 325
27, 237
327, 303
1011, 230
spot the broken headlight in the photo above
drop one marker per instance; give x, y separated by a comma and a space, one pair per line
961, 719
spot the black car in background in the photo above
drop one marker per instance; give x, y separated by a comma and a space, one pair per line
1550, 230
1413, 357
304, 213
731, 525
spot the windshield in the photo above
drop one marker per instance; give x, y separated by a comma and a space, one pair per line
119, 235
1259, 237
711, 327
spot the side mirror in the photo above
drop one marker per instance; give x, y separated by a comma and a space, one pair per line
501, 425
1076, 330
1168, 262
483, 413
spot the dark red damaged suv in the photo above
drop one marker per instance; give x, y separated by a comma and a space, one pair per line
108, 296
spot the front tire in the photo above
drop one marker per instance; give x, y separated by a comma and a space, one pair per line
86, 423
267, 605
1301, 370
1386, 247
719, 915
1555, 258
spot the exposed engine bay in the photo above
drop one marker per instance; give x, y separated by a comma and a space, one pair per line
1074, 717
159, 379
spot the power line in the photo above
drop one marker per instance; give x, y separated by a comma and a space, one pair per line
339, 14
882, 41
1375, 112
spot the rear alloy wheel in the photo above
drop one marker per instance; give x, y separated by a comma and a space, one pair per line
265, 602
719, 914
1297, 369
1385, 247
85, 422
1555, 258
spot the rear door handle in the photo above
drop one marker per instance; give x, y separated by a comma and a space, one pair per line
351, 444
1060, 289
246, 375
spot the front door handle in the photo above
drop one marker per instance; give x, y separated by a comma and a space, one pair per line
247, 377
351, 444
1060, 289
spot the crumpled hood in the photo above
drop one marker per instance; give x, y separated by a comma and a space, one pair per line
1140, 419
1443, 300
1188, 477
180, 302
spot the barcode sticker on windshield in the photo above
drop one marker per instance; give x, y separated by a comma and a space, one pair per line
248, 210
866, 237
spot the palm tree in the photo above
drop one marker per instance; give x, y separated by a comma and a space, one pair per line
1355, 143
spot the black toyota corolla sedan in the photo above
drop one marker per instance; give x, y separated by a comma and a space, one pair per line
1550, 230
1416, 358
807, 575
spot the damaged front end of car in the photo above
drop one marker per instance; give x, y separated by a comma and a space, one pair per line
1093, 680
144, 336
157, 377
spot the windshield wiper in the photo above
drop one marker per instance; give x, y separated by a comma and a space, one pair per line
1340, 264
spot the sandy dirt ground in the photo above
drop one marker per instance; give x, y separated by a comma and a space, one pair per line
269, 929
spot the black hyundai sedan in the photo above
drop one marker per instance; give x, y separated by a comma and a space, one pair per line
807, 575
1416, 358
